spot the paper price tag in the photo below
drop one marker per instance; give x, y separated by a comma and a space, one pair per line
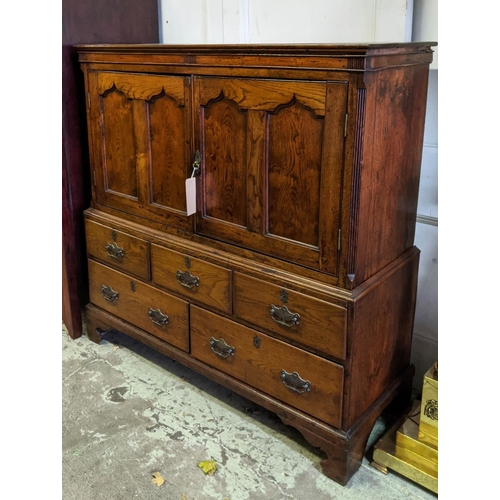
191, 195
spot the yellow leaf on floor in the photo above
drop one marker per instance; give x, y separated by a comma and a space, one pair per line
183, 497
157, 478
208, 467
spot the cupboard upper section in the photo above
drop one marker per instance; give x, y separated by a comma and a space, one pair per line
306, 154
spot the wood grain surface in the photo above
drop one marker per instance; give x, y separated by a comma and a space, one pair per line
214, 282
135, 259
322, 327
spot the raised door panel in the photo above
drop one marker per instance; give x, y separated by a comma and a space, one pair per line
294, 174
272, 155
120, 145
225, 126
141, 144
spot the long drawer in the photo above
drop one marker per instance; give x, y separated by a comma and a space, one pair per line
194, 278
144, 306
304, 320
118, 249
301, 379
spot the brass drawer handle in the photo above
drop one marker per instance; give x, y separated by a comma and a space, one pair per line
157, 317
114, 251
221, 348
108, 293
283, 316
294, 382
187, 279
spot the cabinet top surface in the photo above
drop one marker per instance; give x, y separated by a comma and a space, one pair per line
306, 49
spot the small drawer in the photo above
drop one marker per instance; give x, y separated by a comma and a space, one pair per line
117, 249
303, 380
193, 278
305, 321
144, 306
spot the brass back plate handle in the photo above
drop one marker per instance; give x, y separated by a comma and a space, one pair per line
157, 317
283, 316
221, 348
294, 382
114, 251
109, 294
187, 280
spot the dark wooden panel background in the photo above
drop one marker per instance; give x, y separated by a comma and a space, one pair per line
91, 21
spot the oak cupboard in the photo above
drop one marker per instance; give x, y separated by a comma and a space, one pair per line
294, 282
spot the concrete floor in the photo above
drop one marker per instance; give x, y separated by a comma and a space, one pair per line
129, 411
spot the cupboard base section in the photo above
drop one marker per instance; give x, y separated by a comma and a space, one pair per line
344, 449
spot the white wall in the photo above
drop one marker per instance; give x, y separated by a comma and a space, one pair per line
285, 21
339, 21
425, 338
425, 24
425, 343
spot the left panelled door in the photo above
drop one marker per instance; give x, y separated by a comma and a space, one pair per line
140, 138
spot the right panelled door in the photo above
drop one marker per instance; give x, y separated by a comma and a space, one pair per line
272, 155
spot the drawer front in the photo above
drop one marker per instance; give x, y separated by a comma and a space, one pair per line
305, 321
144, 306
193, 278
301, 379
120, 250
